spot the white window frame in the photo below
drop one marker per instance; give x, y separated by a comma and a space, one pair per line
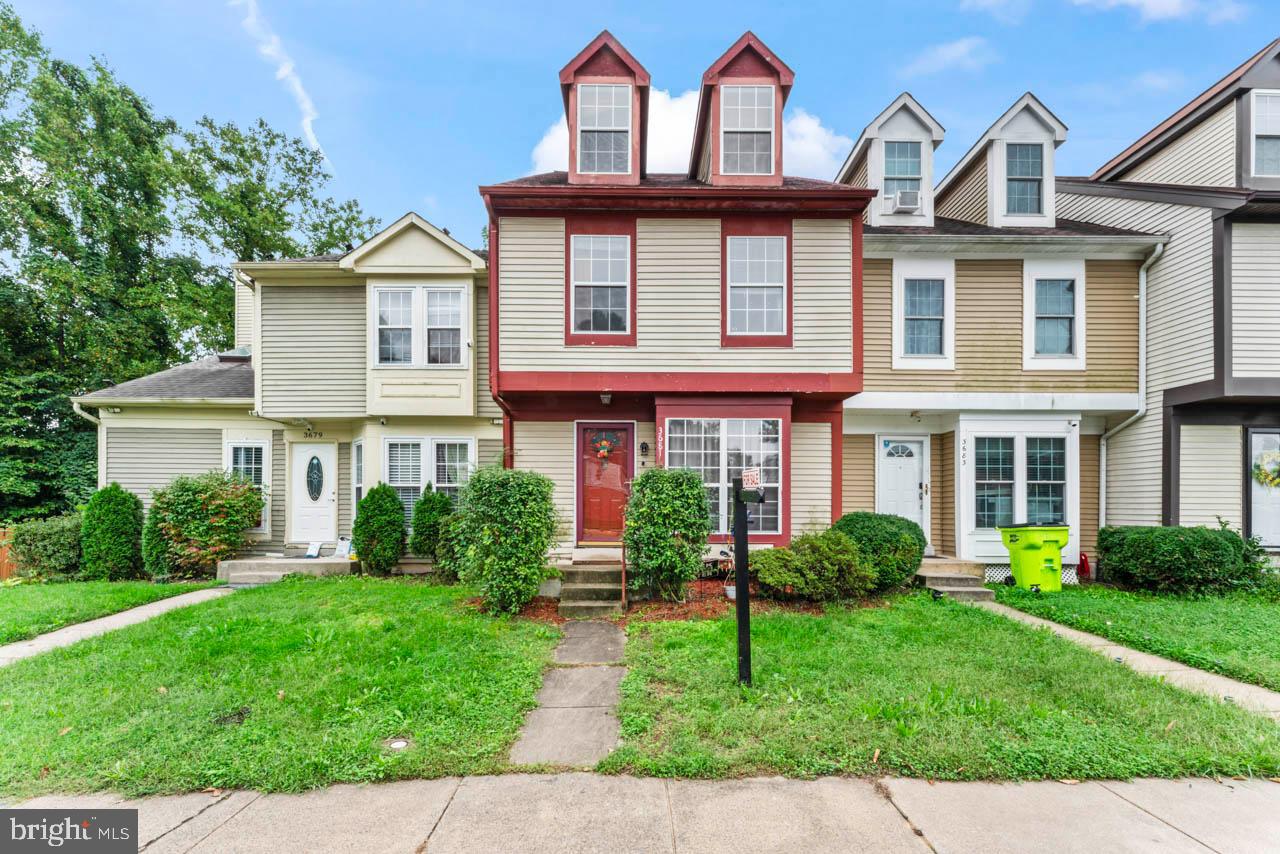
918, 267
1042, 179
724, 485
773, 142
357, 473
884, 163
231, 441
427, 446
1253, 131
574, 284
729, 285
630, 128
414, 331
998, 181
1052, 268
471, 458
419, 336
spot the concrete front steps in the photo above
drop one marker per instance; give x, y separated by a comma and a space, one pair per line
251, 572
591, 585
955, 579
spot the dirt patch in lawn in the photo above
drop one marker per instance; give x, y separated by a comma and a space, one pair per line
543, 609
705, 599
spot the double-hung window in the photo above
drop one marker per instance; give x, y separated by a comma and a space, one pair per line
420, 326
924, 304
746, 127
604, 128
601, 266
404, 473
1018, 479
414, 465
1055, 317
1046, 480
757, 285
718, 449
1266, 134
994, 479
901, 167
1053, 323
249, 461
357, 470
453, 465
1024, 175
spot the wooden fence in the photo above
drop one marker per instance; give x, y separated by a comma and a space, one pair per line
7, 565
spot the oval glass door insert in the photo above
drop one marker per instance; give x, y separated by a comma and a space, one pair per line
315, 478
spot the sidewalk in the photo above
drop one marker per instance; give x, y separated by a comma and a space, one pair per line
68, 635
590, 812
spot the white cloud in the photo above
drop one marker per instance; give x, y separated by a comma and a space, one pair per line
812, 150
1004, 11
1213, 11
970, 53
272, 50
1157, 81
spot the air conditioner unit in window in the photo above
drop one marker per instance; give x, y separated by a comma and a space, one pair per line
906, 201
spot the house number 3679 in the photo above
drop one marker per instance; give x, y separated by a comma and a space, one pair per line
313, 434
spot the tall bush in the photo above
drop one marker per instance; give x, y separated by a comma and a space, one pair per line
378, 531
1179, 560
48, 548
431, 508
155, 549
450, 548
890, 545
111, 535
818, 567
508, 524
666, 530
205, 518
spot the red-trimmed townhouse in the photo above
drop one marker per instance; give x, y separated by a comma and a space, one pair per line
709, 320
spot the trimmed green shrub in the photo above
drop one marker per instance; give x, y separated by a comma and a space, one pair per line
111, 535
378, 532
155, 551
890, 545
1179, 560
822, 567
450, 548
666, 530
427, 513
508, 523
205, 518
778, 572
48, 548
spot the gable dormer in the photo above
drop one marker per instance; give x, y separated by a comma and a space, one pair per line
738, 134
894, 155
1006, 178
606, 102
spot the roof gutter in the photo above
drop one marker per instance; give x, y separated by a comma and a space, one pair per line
92, 419
1142, 383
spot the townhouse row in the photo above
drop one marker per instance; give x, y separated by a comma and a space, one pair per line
1001, 345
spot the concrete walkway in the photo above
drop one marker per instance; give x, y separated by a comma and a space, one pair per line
1252, 697
590, 812
68, 635
575, 725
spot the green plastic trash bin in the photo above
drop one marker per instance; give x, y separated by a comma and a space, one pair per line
1035, 554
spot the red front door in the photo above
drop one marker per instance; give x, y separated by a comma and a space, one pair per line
604, 480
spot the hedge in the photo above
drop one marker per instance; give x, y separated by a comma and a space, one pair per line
428, 512
201, 520
508, 521
666, 530
111, 535
1180, 559
818, 567
377, 535
48, 548
892, 546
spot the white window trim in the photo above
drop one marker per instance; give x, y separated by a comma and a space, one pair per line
729, 285
250, 441
726, 486
926, 476
998, 185
574, 285
357, 483
917, 267
428, 444
1253, 131
886, 177
1052, 268
773, 142
419, 337
631, 121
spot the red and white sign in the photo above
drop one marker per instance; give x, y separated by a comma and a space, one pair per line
751, 478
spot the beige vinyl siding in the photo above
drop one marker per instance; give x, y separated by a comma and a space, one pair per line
859, 178
989, 297
1204, 155
967, 198
313, 359
1209, 474
810, 477
485, 405
646, 431
858, 473
1255, 299
547, 447
1179, 338
488, 452
141, 459
935, 491
678, 301
944, 483
344, 489
244, 316
1088, 525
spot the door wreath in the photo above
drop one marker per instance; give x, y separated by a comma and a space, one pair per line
604, 444
1266, 470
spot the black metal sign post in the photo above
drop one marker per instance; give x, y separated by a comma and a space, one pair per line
742, 590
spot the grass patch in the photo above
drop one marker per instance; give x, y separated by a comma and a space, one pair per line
27, 610
1237, 636
917, 688
280, 688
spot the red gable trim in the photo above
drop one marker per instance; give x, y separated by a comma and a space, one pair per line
602, 42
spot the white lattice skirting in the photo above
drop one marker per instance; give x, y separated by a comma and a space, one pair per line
998, 572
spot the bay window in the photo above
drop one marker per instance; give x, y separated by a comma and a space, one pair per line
718, 449
757, 285
746, 130
420, 326
604, 128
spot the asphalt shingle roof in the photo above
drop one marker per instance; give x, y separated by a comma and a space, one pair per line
959, 227
674, 181
224, 376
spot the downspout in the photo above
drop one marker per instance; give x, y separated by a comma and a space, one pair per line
1142, 383
92, 419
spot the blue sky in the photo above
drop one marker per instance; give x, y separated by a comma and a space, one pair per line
415, 104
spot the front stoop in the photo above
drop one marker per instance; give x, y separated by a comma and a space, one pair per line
962, 587
591, 586
251, 572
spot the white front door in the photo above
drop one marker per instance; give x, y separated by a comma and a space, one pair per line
1264, 498
313, 493
900, 486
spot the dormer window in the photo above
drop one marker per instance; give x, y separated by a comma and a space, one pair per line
604, 128
746, 121
901, 167
1266, 134
1025, 176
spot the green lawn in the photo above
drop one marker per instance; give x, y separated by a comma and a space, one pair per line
919, 688
1237, 636
27, 610
279, 688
